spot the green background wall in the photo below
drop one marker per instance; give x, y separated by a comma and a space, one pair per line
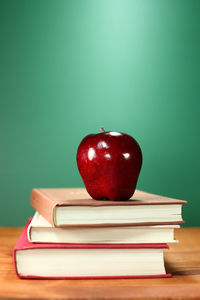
69, 67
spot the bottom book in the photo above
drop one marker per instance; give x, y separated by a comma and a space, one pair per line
75, 261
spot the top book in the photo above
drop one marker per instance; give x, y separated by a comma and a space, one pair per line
64, 207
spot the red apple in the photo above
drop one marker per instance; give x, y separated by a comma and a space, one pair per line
109, 164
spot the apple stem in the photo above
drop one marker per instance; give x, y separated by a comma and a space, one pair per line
102, 129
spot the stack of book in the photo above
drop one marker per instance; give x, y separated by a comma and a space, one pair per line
74, 236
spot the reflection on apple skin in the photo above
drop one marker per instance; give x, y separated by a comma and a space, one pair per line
126, 155
102, 144
107, 156
114, 133
91, 153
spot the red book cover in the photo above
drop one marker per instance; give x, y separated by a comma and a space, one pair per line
24, 244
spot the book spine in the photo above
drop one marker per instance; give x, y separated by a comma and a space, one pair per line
43, 204
29, 233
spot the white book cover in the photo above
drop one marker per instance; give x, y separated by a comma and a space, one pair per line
41, 231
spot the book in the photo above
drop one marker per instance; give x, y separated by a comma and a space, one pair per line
74, 207
41, 231
59, 261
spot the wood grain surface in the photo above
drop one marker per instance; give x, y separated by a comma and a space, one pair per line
182, 260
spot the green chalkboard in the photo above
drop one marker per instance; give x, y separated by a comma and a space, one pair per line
69, 67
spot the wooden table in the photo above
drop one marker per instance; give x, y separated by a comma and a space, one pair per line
182, 260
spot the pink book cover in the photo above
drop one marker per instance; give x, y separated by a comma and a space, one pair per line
24, 244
